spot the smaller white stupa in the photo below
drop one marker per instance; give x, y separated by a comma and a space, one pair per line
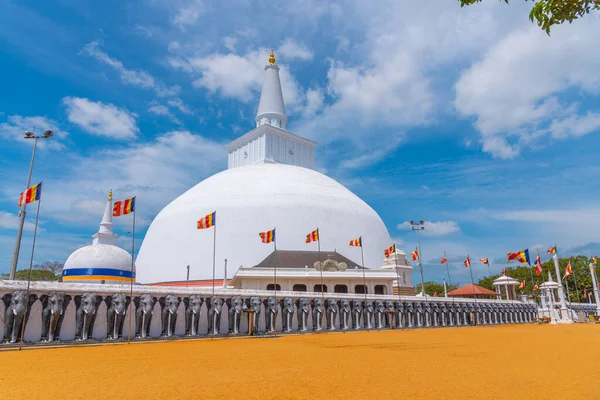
102, 261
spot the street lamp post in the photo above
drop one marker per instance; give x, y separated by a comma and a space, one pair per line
22, 212
419, 227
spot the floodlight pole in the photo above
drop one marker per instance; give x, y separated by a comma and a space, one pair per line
419, 227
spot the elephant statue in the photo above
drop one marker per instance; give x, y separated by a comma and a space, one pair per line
144, 306
17, 306
399, 313
116, 310
367, 306
317, 313
331, 311
215, 307
86, 310
254, 304
356, 309
344, 309
410, 314
302, 305
287, 313
235, 307
419, 312
458, 315
390, 310
169, 305
53, 312
379, 311
435, 311
270, 314
192, 306
427, 318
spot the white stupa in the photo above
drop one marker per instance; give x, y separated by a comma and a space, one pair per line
102, 261
270, 183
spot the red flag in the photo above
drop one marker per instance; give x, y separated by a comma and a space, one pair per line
503, 271
467, 262
538, 265
444, 260
522, 285
389, 251
415, 255
313, 236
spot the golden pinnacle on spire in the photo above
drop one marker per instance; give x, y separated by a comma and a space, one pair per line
272, 58
110, 195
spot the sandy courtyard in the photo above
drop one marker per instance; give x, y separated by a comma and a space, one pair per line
508, 362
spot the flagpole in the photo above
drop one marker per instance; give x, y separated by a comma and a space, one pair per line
362, 257
132, 267
321, 266
569, 296
37, 214
275, 273
471, 272
214, 256
398, 273
447, 269
575, 280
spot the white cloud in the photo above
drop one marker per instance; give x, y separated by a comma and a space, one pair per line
292, 50
17, 125
178, 104
142, 31
162, 110
101, 119
440, 228
315, 100
11, 221
188, 14
512, 92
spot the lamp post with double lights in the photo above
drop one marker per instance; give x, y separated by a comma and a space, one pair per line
28, 135
419, 227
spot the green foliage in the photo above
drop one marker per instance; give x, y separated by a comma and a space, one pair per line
547, 13
36, 275
435, 287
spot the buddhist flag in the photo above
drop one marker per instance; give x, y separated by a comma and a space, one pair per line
208, 221
568, 271
594, 260
535, 288
521, 256
584, 292
485, 261
503, 271
589, 294
538, 265
415, 255
552, 250
444, 260
356, 242
390, 250
467, 262
522, 285
434, 294
313, 236
124, 207
268, 236
30, 195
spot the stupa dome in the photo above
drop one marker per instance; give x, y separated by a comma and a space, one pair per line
253, 199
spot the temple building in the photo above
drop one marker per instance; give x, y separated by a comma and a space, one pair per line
102, 261
271, 183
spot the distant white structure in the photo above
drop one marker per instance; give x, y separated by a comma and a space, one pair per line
270, 183
509, 284
102, 261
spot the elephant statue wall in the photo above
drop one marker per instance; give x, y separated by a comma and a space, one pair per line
86, 310
54, 305
317, 313
344, 309
419, 313
270, 314
192, 305
287, 313
399, 314
116, 310
169, 305
410, 314
331, 311
144, 307
17, 306
254, 304
235, 307
443, 321
356, 309
458, 319
302, 306
379, 311
215, 309
367, 312
389, 313
435, 311
427, 317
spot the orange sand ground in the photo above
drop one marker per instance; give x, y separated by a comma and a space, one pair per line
507, 362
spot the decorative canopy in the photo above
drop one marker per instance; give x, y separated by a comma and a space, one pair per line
471, 290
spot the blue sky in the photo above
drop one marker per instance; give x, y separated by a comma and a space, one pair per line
471, 119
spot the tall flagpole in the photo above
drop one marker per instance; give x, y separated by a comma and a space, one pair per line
214, 254
575, 279
321, 266
132, 272
37, 214
398, 272
362, 257
275, 286
447, 269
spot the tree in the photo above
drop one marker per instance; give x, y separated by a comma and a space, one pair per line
435, 287
36, 275
52, 266
548, 13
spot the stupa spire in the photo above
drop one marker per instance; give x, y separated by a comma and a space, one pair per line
105, 233
271, 109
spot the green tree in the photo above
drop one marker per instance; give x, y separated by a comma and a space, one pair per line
547, 13
432, 287
36, 275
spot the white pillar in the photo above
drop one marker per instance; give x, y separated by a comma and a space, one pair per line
565, 316
595, 283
